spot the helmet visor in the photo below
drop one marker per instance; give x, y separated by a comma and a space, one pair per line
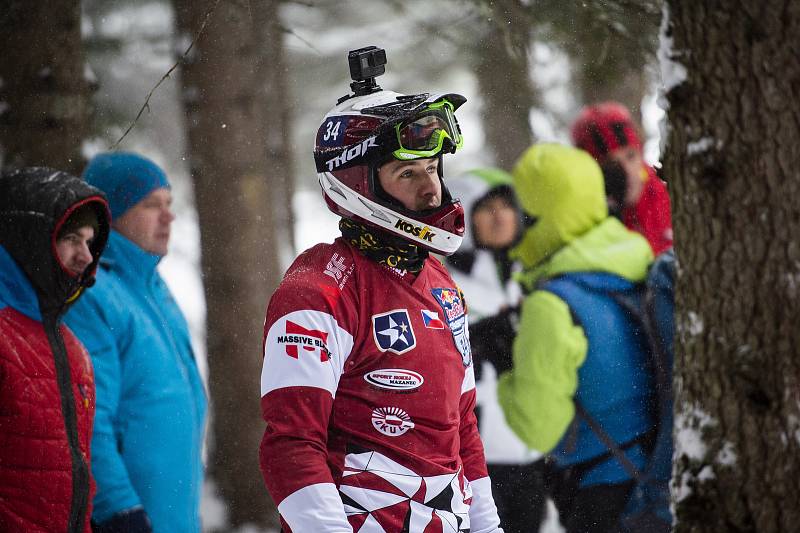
426, 134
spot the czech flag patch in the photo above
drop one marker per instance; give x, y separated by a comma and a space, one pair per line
432, 320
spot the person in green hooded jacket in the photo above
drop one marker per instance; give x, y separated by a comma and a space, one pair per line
575, 345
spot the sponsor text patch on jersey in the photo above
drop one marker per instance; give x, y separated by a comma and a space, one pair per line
394, 379
309, 339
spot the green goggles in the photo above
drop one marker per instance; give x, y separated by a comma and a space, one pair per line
430, 132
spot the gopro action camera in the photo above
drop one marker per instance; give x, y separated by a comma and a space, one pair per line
366, 64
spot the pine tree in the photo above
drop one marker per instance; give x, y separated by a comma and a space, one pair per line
733, 77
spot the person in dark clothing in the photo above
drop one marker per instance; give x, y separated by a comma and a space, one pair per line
53, 228
615, 180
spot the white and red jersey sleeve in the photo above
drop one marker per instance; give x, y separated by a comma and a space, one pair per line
308, 336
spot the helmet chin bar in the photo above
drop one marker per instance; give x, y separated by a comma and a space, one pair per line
432, 238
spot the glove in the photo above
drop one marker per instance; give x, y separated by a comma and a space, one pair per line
492, 338
129, 521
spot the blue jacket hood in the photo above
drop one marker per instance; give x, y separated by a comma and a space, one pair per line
15, 289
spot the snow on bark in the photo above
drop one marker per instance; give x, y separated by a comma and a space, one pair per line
727, 455
690, 424
701, 145
690, 324
673, 73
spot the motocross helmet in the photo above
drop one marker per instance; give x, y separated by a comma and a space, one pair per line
362, 132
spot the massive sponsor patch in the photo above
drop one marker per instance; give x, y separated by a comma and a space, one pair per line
394, 379
392, 331
456, 317
309, 339
304, 348
391, 421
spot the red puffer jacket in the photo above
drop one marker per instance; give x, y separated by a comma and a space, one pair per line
36, 453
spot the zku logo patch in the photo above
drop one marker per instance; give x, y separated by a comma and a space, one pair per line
309, 339
392, 331
391, 421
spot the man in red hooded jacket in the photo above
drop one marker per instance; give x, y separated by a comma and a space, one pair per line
607, 132
53, 227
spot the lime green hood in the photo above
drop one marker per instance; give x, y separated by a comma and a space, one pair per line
608, 247
562, 187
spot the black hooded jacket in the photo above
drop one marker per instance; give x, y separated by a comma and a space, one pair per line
34, 204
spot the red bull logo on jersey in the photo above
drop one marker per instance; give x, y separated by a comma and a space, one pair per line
451, 303
456, 317
310, 340
391, 421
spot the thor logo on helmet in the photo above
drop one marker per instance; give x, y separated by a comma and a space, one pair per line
351, 153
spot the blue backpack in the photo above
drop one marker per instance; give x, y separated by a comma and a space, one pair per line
650, 306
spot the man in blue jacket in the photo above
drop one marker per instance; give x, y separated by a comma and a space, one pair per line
151, 404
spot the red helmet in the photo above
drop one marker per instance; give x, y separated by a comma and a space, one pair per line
361, 133
604, 127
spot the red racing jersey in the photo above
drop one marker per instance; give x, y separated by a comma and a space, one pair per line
367, 389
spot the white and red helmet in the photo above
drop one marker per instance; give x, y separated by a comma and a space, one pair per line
361, 133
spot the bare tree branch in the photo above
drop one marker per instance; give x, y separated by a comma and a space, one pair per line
146, 104
305, 41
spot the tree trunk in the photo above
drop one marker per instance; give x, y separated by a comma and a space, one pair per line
238, 135
43, 94
732, 161
503, 73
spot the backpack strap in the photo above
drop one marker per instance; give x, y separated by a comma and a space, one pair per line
609, 442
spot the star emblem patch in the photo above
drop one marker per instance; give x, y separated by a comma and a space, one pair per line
392, 331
